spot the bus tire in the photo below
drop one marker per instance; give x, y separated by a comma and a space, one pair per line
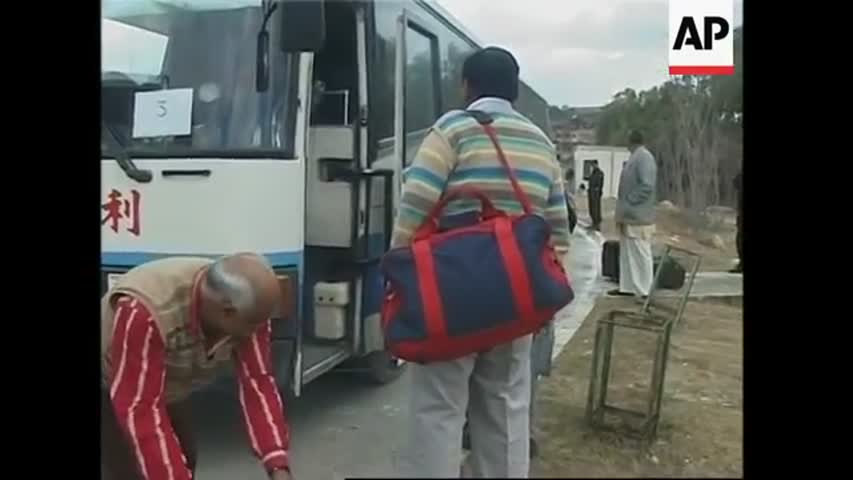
382, 367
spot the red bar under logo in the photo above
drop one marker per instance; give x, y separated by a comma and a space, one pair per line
701, 70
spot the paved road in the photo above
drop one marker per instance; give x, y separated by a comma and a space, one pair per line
342, 426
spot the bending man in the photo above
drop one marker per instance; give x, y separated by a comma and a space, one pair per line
168, 327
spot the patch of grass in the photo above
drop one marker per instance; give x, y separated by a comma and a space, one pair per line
701, 430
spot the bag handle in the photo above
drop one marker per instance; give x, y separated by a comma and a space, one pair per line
485, 120
430, 223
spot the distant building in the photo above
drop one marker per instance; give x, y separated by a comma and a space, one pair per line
563, 141
573, 127
610, 161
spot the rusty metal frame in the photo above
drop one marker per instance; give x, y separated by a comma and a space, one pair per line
660, 321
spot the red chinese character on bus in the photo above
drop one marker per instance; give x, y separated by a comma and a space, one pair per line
119, 208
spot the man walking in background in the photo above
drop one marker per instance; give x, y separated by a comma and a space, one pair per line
596, 188
635, 219
570, 181
570, 199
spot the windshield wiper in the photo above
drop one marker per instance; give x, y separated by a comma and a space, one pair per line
120, 154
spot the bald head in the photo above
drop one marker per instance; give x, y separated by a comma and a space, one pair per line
244, 288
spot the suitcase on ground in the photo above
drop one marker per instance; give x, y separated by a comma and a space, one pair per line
672, 274
610, 260
671, 278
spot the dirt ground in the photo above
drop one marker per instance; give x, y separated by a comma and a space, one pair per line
700, 433
701, 430
682, 229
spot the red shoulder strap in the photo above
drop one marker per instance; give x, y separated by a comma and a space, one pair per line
485, 121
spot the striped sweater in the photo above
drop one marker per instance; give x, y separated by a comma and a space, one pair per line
457, 152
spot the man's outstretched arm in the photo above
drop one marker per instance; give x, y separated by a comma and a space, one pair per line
263, 410
136, 390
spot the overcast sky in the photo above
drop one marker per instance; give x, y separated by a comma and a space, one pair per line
577, 52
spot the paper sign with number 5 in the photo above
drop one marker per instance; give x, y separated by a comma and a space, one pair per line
163, 113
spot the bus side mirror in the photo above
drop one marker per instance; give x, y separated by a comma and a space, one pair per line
303, 25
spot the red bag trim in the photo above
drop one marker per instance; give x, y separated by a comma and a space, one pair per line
429, 226
514, 263
519, 193
450, 348
428, 285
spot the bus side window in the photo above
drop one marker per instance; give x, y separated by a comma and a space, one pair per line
422, 89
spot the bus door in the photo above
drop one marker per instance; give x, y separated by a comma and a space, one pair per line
341, 191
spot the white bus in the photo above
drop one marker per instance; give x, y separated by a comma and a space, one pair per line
280, 128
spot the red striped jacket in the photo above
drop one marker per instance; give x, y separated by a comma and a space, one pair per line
154, 354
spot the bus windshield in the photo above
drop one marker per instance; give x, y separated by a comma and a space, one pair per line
178, 79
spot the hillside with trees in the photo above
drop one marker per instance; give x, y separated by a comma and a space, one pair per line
694, 127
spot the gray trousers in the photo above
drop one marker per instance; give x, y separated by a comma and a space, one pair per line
540, 365
496, 386
534, 412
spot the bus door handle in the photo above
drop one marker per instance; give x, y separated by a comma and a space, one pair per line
186, 173
358, 175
